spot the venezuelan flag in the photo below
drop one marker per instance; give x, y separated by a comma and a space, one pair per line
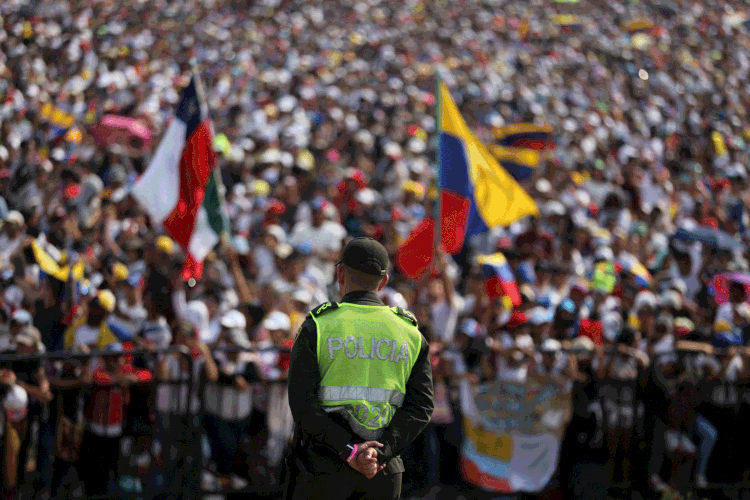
568, 23
50, 267
642, 276
525, 135
60, 120
499, 279
520, 163
476, 193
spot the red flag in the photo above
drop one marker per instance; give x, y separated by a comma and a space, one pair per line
416, 254
454, 212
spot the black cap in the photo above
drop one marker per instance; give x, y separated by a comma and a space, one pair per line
366, 255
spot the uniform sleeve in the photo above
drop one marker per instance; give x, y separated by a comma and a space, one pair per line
304, 381
415, 413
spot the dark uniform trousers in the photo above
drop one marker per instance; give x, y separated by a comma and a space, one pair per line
314, 472
346, 484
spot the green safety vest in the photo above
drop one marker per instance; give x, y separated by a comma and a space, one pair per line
365, 355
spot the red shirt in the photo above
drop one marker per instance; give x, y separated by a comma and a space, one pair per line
283, 363
106, 406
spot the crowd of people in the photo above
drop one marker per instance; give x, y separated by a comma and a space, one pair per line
325, 117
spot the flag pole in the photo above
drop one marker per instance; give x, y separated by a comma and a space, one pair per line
437, 208
224, 236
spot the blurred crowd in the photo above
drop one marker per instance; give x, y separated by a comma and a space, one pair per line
324, 117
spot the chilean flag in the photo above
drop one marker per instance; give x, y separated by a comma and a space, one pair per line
498, 276
178, 189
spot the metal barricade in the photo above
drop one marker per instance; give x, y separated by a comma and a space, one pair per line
246, 422
703, 405
168, 432
102, 434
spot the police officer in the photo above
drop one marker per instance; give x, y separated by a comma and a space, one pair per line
360, 387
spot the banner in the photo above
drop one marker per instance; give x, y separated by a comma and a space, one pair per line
512, 433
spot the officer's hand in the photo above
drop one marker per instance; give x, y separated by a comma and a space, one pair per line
366, 459
371, 458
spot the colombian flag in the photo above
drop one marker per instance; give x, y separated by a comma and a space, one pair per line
476, 193
498, 276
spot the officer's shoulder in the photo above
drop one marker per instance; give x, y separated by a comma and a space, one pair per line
324, 308
407, 315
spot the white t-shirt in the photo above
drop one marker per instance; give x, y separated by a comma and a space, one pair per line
136, 316
327, 237
86, 335
7, 342
213, 331
736, 365
457, 359
692, 281
173, 397
561, 361
226, 401
444, 318
662, 346
725, 312
157, 332
265, 263
508, 374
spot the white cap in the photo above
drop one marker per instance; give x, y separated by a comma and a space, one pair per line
366, 196
234, 319
543, 186
524, 342
15, 216
302, 295
392, 149
416, 145
670, 298
604, 253
13, 295
550, 345
270, 156
679, 285
582, 197
644, 299
554, 208
16, 403
21, 316
277, 232
277, 320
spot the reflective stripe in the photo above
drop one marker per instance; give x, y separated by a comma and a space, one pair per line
361, 393
359, 429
